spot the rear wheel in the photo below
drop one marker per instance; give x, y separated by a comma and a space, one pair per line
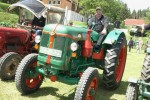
145, 73
27, 79
8, 65
115, 63
132, 92
88, 84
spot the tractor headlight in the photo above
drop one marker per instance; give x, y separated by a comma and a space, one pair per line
38, 39
74, 46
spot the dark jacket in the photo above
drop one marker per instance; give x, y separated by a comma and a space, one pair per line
100, 23
39, 22
131, 42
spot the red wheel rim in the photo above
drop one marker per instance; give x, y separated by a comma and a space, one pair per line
121, 63
33, 81
92, 88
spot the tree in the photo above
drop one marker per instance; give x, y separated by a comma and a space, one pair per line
9, 1
114, 9
124, 12
134, 14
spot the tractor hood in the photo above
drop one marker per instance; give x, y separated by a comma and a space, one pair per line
6, 32
76, 33
56, 40
34, 6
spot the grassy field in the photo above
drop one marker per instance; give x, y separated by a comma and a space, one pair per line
60, 91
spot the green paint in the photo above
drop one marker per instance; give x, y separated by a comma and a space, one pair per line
112, 36
73, 31
40, 70
143, 90
67, 68
92, 92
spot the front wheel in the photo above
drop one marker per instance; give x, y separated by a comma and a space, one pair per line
88, 84
8, 65
115, 63
132, 92
27, 79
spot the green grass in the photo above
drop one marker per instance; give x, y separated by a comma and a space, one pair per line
80, 24
8, 18
60, 91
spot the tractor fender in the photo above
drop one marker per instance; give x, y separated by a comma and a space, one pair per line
112, 36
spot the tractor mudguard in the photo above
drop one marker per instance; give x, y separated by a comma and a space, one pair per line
112, 36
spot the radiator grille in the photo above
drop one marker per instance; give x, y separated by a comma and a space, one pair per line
59, 44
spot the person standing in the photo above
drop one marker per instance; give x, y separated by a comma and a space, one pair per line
147, 44
140, 45
137, 45
130, 44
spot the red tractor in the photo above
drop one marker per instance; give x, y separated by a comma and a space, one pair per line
15, 43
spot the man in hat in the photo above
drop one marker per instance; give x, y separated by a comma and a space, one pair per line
101, 25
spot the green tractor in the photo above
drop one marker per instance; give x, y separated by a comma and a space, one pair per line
67, 54
139, 89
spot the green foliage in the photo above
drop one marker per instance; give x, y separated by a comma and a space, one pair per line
8, 18
140, 14
147, 18
9, 1
3, 7
147, 33
114, 9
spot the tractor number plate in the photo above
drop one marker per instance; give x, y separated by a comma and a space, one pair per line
49, 51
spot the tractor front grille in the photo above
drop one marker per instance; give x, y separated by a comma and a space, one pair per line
59, 44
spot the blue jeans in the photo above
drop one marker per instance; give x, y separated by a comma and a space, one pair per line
37, 32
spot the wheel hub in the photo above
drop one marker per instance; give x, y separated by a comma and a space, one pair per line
11, 66
92, 92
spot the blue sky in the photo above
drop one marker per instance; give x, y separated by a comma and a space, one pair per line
137, 4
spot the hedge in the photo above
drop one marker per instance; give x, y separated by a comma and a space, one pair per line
3, 7
8, 18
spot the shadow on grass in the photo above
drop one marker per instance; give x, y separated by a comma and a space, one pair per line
104, 94
8, 81
51, 91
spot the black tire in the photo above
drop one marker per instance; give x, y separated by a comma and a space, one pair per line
145, 73
8, 65
89, 76
132, 33
114, 64
132, 92
28, 82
